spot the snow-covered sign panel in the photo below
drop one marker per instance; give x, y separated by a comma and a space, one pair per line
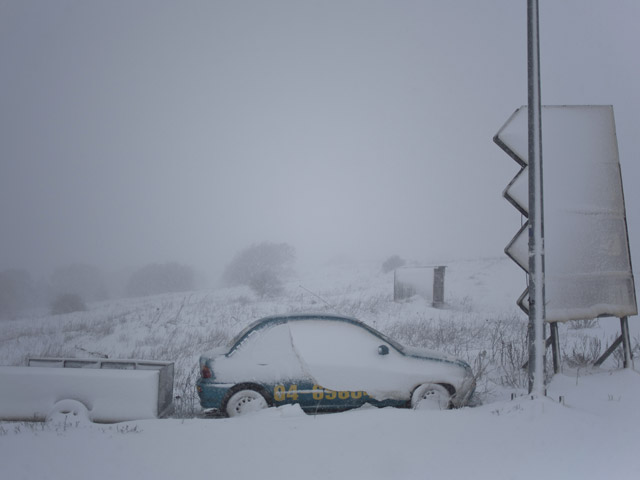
427, 282
588, 269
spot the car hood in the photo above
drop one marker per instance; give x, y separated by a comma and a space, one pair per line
434, 355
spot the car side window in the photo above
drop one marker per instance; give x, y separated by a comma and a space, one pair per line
334, 342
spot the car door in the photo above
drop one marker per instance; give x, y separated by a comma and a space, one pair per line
265, 357
346, 362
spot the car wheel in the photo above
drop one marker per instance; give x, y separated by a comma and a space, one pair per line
245, 401
68, 412
431, 396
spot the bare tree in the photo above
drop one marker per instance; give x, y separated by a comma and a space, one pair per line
391, 263
262, 266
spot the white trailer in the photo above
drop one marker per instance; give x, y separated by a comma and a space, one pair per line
102, 390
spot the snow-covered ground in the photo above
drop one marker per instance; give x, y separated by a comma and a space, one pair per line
587, 427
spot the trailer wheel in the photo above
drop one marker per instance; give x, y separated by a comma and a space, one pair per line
68, 412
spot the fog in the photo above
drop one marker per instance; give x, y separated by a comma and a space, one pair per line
157, 131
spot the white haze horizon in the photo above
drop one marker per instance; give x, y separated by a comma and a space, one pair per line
154, 132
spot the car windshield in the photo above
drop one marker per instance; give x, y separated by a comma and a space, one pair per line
235, 340
384, 338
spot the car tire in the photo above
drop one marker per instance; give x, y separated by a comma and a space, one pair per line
244, 400
68, 412
431, 396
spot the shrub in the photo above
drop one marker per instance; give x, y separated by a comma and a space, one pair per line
262, 267
391, 263
67, 303
266, 283
586, 350
583, 324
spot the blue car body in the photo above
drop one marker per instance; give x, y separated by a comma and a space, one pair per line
324, 363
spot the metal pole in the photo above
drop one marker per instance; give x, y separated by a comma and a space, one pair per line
536, 230
555, 347
395, 285
626, 342
438, 287
609, 351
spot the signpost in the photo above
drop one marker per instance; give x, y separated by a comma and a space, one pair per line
536, 209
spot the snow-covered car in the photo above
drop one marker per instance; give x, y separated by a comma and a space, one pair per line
326, 363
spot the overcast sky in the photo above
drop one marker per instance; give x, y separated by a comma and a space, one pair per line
139, 131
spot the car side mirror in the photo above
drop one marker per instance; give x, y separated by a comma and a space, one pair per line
383, 350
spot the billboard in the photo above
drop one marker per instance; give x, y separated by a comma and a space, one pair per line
588, 269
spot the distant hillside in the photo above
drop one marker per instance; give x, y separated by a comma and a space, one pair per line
480, 323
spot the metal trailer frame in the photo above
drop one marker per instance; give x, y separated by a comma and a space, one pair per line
165, 368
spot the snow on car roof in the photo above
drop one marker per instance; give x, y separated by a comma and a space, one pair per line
302, 316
